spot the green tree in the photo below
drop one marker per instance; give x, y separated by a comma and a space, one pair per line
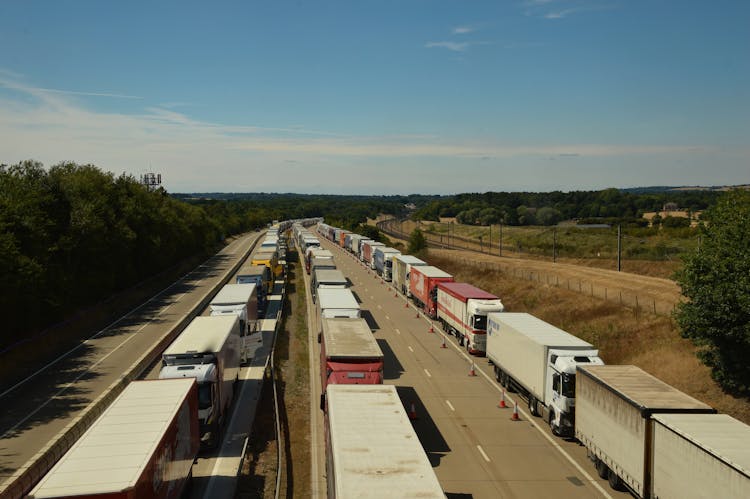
716, 282
417, 243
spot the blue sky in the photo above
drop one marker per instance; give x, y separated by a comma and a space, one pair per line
382, 97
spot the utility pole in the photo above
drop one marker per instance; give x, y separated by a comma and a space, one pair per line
554, 245
619, 247
500, 244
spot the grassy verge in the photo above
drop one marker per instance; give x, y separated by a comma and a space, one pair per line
622, 336
258, 476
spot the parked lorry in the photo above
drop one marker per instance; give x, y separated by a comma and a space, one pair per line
240, 300
341, 238
360, 251
142, 446
463, 309
368, 252
700, 455
349, 354
271, 260
402, 265
316, 252
615, 406
423, 281
354, 241
384, 261
327, 279
209, 351
371, 447
259, 275
321, 263
333, 303
539, 361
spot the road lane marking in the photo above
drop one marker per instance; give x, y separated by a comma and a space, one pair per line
410, 349
428, 373
481, 451
387, 318
380, 308
450, 405
397, 331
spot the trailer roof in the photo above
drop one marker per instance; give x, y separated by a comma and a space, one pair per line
336, 298
264, 255
542, 333
204, 334
233, 293
376, 452
349, 338
250, 269
642, 390
329, 276
112, 454
410, 259
430, 271
719, 434
466, 290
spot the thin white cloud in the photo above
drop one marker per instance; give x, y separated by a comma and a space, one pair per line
560, 9
463, 30
452, 46
89, 94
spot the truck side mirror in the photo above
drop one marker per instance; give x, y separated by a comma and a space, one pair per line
323, 402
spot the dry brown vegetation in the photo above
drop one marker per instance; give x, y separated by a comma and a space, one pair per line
622, 334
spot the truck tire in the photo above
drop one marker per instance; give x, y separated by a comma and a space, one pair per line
553, 427
533, 409
498, 375
614, 481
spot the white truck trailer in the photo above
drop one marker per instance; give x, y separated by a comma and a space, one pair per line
614, 409
463, 309
372, 450
402, 265
539, 361
327, 279
240, 300
383, 260
208, 350
336, 303
141, 447
700, 455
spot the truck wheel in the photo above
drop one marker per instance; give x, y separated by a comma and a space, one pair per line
532, 406
614, 481
553, 426
601, 469
498, 375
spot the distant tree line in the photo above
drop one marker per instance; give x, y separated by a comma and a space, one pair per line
549, 208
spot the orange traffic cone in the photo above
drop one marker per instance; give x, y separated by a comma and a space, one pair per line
472, 372
413, 412
432, 330
514, 417
443, 345
406, 304
502, 404
417, 316
395, 295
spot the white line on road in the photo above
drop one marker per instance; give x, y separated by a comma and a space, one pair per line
428, 373
450, 405
387, 318
410, 349
397, 331
380, 308
481, 451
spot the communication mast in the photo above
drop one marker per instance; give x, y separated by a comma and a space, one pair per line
152, 181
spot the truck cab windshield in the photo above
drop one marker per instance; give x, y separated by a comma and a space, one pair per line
480, 322
568, 385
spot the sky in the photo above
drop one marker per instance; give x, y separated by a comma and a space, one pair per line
382, 97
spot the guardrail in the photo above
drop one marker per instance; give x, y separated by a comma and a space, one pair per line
25, 477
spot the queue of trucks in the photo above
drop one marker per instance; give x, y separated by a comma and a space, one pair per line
640, 433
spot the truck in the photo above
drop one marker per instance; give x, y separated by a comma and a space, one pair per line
271, 260
142, 446
327, 279
368, 252
349, 354
317, 263
359, 251
341, 237
354, 240
462, 311
333, 303
209, 351
402, 265
614, 420
384, 261
372, 450
539, 361
700, 455
423, 281
240, 300
259, 275
314, 252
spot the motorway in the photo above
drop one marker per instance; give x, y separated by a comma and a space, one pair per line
475, 448
38, 409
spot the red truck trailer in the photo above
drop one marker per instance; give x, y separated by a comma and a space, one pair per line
423, 281
141, 447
